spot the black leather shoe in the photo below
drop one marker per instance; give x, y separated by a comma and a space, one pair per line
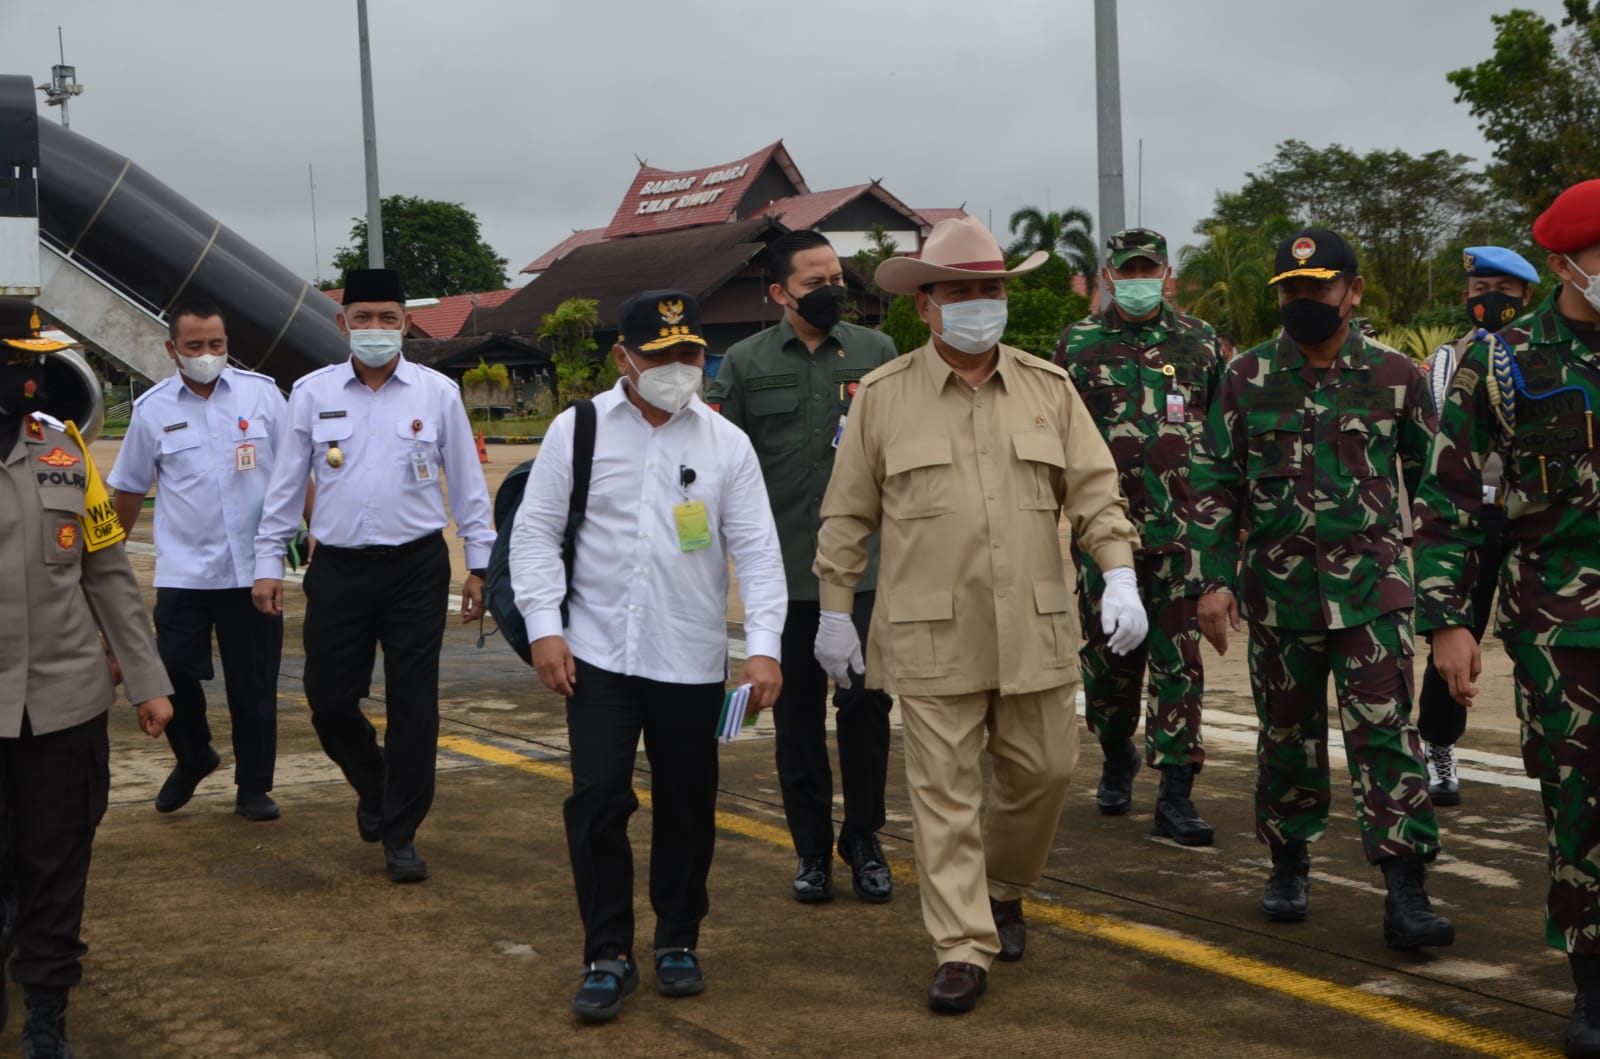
44, 1031
1115, 793
1288, 894
606, 983
1013, 929
1583, 1031
256, 807
1409, 921
369, 818
181, 782
869, 870
956, 987
813, 880
405, 864
1176, 816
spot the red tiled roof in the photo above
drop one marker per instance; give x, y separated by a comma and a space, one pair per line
805, 211
446, 319
579, 237
940, 213
701, 202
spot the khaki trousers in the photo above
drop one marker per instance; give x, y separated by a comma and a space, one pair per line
962, 862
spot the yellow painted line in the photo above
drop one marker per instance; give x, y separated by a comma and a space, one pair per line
1213, 959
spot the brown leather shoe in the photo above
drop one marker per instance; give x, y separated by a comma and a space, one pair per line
957, 987
1013, 930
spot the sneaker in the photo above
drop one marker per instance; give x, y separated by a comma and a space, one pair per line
182, 781
678, 973
1443, 786
605, 985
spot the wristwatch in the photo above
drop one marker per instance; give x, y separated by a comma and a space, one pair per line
481, 572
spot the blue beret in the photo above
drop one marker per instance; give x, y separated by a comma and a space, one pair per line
1497, 261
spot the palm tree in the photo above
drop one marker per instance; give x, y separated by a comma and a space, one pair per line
1224, 280
1069, 233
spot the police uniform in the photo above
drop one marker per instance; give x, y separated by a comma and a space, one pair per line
1306, 461
1147, 383
973, 629
1440, 719
1531, 393
212, 457
64, 580
793, 403
381, 571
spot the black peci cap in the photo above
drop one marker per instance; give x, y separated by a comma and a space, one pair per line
654, 320
1315, 253
373, 285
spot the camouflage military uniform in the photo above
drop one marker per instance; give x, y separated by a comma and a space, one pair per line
1304, 462
1147, 384
1549, 582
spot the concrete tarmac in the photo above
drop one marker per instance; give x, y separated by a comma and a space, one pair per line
212, 936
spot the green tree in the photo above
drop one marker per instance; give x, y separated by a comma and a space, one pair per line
1224, 280
1069, 234
902, 324
1537, 100
435, 246
569, 331
866, 260
1399, 210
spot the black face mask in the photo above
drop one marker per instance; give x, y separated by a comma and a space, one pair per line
1493, 310
821, 308
21, 388
1310, 322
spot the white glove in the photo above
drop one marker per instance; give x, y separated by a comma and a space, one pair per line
838, 648
1122, 616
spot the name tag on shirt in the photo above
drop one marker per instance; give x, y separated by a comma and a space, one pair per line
694, 527
244, 457
420, 467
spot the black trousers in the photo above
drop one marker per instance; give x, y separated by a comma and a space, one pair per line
605, 717
251, 644
1441, 719
801, 718
356, 600
53, 791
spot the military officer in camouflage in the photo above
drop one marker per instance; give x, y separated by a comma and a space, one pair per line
1529, 394
1146, 373
790, 388
1301, 451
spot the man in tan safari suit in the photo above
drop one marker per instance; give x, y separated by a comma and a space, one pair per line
965, 454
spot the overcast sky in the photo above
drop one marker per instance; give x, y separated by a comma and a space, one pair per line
530, 113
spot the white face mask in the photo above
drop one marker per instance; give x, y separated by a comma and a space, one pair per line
973, 326
668, 387
375, 348
1591, 293
204, 369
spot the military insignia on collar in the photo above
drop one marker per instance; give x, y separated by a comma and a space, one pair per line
1469, 262
35, 429
1303, 248
59, 457
66, 537
671, 311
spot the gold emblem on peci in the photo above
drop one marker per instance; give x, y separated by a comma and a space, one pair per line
671, 311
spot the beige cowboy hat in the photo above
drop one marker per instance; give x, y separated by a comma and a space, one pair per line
959, 248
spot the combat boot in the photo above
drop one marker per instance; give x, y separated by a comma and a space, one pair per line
1583, 1031
1409, 921
1176, 817
44, 1032
1115, 793
1288, 893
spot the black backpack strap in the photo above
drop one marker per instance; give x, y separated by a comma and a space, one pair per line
582, 465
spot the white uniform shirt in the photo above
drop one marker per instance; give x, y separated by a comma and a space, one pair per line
393, 444
211, 459
641, 606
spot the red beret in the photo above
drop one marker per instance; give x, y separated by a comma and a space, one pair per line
1573, 220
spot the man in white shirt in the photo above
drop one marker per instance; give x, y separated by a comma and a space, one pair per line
207, 434
377, 431
676, 491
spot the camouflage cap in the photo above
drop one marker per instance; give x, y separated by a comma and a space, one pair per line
1137, 242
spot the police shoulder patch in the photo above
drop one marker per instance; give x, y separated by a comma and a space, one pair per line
45, 419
